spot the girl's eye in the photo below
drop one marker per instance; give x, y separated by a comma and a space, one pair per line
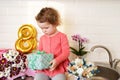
46, 28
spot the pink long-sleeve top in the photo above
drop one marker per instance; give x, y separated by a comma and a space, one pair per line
59, 46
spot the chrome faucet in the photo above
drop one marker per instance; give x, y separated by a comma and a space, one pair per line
109, 54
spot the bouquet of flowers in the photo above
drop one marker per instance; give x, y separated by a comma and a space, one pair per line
12, 63
82, 69
79, 51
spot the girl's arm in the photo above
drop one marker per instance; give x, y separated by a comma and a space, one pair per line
65, 50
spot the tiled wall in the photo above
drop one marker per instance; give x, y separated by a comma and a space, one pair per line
12, 15
97, 20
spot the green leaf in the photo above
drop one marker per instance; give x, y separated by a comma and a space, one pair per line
73, 49
81, 51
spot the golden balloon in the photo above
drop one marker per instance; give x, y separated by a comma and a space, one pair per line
27, 31
23, 45
34, 43
26, 38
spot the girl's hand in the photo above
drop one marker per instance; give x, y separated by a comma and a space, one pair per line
54, 64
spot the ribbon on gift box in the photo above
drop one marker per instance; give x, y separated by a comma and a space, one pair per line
40, 52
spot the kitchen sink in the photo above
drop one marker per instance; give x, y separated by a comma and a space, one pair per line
107, 74
106, 71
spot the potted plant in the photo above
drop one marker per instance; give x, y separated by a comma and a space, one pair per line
80, 51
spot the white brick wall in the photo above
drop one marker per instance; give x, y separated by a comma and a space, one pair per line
98, 20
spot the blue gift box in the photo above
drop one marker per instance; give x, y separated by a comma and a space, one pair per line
39, 60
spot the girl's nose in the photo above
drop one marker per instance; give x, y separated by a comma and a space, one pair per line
44, 31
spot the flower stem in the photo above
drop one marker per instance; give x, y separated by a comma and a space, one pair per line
79, 44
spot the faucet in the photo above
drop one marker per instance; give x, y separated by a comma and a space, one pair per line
109, 54
116, 62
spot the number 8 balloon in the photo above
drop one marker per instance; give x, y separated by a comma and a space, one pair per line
26, 38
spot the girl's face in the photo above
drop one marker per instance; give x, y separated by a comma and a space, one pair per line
47, 28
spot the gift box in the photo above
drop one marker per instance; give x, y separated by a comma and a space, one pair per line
39, 60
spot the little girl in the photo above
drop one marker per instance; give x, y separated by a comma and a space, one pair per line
53, 41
